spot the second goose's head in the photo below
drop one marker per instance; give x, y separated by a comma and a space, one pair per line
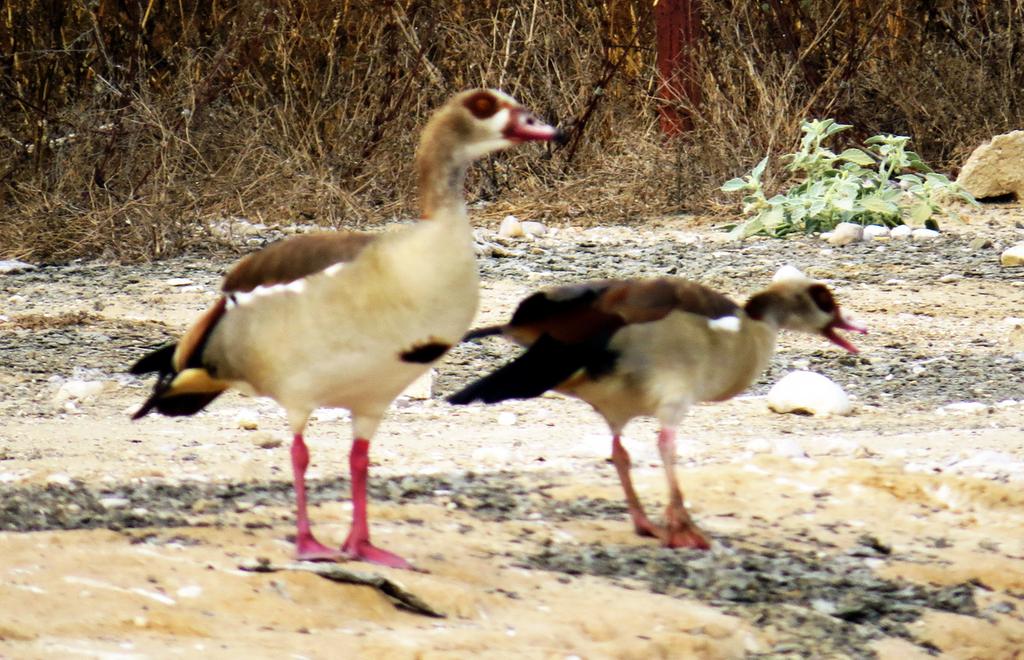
477, 122
796, 302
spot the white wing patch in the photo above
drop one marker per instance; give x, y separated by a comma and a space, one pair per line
239, 298
725, 324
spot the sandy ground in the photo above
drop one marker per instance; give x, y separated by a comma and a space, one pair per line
935, 491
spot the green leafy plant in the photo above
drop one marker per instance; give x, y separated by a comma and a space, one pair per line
882, 183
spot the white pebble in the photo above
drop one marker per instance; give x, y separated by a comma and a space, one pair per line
846, 233
178, 281
531, 228
962, 408
10, 266
1013, 255
924, 234
247, 420
952, 277
900, 231
190, 591
507, 418
78, 390
59, 479
114, 502
873, 232
510, 227
806, 391
788, 448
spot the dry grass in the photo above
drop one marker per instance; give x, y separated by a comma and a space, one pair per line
127, 128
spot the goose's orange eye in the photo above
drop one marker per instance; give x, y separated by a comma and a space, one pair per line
482, 104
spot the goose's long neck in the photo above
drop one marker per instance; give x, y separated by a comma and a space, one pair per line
441, 180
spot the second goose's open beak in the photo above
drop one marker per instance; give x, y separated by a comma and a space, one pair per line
839, 322
523, 126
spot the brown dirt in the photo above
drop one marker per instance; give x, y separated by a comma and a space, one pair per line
513, 510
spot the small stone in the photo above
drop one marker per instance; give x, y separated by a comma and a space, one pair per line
924, 234
78, 390
846, 233
532, 228
808, 392
178, 281
1013, 255
952, 277
963, 408
12, 266
247, 420
190, 591
875, 232
788, 448
900, 231
58, 479
980, 243
510, 227
114, 502
507, 418
265, 440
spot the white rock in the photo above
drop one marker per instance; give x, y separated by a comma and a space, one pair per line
900, 231
924, 234
510, 227
788, 448
247, 420
78, 390
872, 232
422, 388
962, 408
178, 281
1013, 255
846, 233
996, 167
806, 391
266, 440
11, 266
59, 479
114, 502
952, 277
531, 228
507, 418
759, 446
190, 591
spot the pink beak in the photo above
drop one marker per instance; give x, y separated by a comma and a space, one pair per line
523, 126
841, 323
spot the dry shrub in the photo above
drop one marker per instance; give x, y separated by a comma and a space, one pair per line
128, 126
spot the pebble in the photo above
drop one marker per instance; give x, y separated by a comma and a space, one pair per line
900, 231
59, 479
788, 448
952, 277
980, 243
532, 228
190, 591
178, 281
11, 266
510, 227
247, 420
266, 440
1013, 255
845, 233
114, 502
507, 418
962, 408
924, 234
77, 390
875, 232
810, 392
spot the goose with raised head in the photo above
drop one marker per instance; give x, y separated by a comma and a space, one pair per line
652, 348
348, 320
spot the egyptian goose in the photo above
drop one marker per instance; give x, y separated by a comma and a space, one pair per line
654, 348
348, 320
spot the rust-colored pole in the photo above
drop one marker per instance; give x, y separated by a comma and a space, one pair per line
678, 27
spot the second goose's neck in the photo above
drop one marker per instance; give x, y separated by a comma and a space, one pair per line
441, 179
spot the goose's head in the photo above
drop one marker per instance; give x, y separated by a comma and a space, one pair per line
477, 122
797, 302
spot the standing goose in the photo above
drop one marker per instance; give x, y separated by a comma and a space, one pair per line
348, 320
654, 348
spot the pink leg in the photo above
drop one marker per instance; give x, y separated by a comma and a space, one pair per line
306, 546
681, 532
357, 545
642, 525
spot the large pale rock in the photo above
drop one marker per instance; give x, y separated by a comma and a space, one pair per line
846, 233
996, 167
1013, 256
808, 392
